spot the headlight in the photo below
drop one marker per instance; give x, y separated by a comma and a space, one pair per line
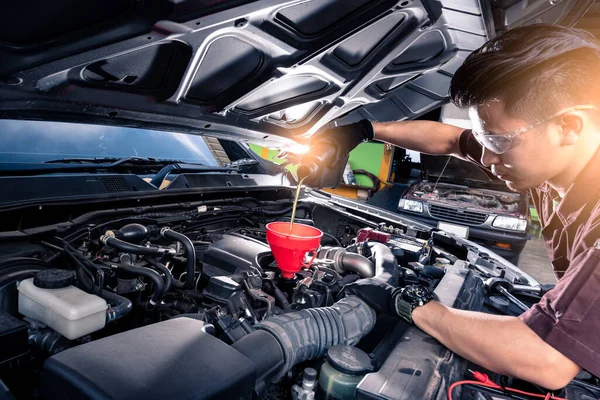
412, 205
514, 224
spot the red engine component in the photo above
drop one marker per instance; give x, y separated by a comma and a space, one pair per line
370, 234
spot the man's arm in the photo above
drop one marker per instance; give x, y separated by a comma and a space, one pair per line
427, 137
499, 343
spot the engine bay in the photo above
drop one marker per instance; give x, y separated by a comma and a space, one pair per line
189, 302
462, 196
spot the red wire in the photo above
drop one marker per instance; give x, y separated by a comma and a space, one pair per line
490, 384
455, 384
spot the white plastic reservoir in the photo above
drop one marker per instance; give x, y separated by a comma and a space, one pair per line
70, 311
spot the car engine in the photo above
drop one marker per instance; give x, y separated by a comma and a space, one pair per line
487, 200
187, 301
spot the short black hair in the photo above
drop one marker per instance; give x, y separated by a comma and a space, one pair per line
535, 70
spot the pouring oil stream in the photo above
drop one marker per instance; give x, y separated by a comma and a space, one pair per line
296, 203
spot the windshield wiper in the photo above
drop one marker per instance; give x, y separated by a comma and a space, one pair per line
93, 160
242, 163
109, 164
115, 161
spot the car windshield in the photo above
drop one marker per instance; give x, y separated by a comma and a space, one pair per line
40, 141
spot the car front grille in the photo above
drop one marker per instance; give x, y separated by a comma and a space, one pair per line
457, 215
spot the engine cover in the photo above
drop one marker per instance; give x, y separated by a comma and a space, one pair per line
173, 359
231, 255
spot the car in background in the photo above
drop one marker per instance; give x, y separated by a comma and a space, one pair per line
459, 197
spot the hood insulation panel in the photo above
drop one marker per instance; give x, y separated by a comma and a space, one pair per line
261, 71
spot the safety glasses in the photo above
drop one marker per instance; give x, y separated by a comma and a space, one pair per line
500, 143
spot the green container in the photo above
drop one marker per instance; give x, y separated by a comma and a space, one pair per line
335, 385
344, 368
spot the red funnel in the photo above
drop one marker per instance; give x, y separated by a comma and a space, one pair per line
289, 249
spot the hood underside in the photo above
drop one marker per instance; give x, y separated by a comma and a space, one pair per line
262, 71
452, 168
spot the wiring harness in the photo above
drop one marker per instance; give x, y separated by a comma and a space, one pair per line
482, 379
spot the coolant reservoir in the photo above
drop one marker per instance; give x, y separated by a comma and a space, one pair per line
345, 367
68, 310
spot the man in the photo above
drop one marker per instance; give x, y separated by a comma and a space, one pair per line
532, 95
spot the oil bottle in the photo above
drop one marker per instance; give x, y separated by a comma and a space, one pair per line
323, 167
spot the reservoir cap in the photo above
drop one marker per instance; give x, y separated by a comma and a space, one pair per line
54, 278
349, 360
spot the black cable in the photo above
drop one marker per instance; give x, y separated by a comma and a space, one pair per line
100, 279
280, 297
374, 179
504, 384
168, 279
190, 254
333, 237
127, 247
332, 272
587, 386
24, 261
152, 275
52, 246
119, 306
89, 286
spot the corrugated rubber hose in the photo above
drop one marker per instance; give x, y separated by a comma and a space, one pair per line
307, 334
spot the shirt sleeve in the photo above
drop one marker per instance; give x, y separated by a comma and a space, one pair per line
568, 316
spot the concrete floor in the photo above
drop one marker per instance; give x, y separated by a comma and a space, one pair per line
534, 260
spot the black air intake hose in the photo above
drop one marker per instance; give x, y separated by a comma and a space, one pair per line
190, 255
344, 261
119, 306
307, 334
384, 269
263, 349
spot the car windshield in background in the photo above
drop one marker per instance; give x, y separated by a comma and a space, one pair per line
40, 141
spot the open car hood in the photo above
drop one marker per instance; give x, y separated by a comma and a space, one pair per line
455, 169
263, 71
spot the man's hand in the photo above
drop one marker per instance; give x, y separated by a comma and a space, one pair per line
378, 295
323, 165
345, 138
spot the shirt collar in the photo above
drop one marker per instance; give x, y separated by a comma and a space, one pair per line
580, 193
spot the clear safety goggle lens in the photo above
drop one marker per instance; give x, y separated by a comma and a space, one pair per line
496, 143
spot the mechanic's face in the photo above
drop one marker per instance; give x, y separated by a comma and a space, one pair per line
534, 157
